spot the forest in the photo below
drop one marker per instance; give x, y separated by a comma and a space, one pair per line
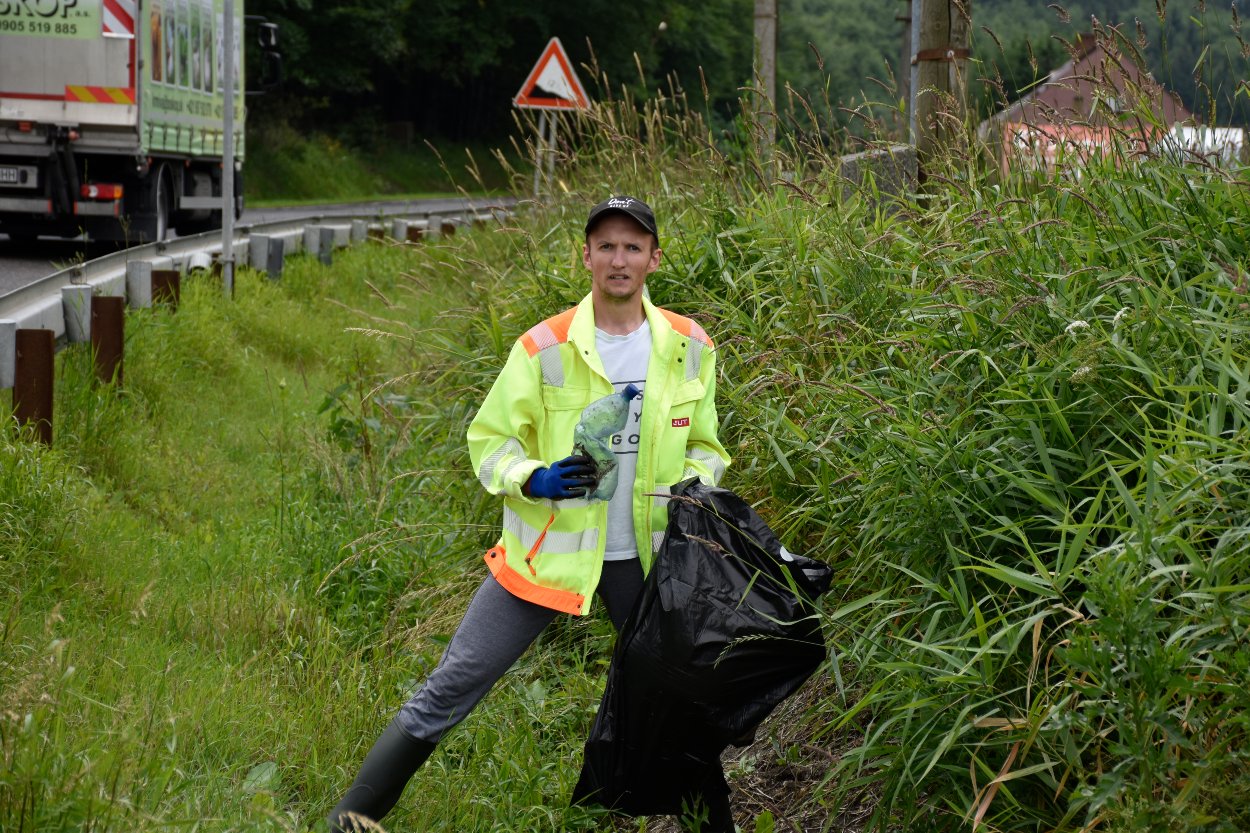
448, 71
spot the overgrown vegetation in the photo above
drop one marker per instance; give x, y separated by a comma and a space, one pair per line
286, 167
1011, 412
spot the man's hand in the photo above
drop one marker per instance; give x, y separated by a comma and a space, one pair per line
571, 477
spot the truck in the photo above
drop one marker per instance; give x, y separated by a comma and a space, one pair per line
112, 117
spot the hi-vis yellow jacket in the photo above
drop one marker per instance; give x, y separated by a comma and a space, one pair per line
551, 552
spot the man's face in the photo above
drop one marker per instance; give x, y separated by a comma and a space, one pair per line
619, 254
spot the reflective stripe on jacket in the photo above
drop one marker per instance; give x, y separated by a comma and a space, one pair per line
551, 552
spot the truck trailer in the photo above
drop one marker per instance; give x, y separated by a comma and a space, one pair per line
111, 117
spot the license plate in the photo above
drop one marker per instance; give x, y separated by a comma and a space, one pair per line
20, 176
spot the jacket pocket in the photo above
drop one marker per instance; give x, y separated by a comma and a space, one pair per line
687, 392
562, 408
566, 398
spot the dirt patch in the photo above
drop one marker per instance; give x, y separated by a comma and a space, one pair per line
786, 773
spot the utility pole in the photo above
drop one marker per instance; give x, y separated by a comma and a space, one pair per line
942, 28
227, 153
903, 75
961, 41
766, 72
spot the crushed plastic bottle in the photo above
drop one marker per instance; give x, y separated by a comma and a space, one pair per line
593, 435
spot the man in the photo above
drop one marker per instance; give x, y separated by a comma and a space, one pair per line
558, 547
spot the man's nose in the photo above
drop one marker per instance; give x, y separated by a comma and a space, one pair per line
618, 256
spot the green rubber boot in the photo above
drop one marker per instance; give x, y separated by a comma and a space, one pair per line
381, 780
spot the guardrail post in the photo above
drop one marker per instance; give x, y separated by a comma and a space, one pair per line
8, 352
432, 227
32, 383
274, 257
258, 250
325, 245
166, 287
360, 231
139, 284
399, 229
108, 323
76, 308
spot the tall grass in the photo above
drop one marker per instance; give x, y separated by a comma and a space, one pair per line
1012, 414
224, 578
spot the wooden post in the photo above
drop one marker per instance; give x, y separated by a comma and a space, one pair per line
32, 385
108, 322
961, 43
766, 73
942, 69
904, 66
932, 79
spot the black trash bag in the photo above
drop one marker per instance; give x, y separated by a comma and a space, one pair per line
722, 632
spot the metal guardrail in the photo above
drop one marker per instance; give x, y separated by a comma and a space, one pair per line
39, 305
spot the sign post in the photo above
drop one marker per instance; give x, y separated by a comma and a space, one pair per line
551, 86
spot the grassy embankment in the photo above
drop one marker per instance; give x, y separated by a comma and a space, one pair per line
1012, 415
223, 578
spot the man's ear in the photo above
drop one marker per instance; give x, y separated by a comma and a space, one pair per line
655, 259
586, 255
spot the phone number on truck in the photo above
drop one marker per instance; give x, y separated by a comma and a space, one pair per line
19, 26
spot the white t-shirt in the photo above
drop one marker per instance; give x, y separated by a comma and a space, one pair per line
625, 361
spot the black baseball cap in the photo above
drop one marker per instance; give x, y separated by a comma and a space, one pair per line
630, 206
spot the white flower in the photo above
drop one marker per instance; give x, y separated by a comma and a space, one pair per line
1119, 316
1076, 325
1080, 374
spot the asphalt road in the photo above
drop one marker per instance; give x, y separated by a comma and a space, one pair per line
23, 264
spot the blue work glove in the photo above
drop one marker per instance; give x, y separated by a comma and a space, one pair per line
574, 476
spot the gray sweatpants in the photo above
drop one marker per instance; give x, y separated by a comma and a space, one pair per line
495, 631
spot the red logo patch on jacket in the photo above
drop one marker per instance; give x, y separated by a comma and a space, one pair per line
681, 422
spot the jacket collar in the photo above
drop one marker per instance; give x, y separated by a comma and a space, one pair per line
582, 329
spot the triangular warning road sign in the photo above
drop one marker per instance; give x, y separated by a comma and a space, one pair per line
552, 84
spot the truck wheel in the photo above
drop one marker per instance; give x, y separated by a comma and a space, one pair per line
161, 206
150, 219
